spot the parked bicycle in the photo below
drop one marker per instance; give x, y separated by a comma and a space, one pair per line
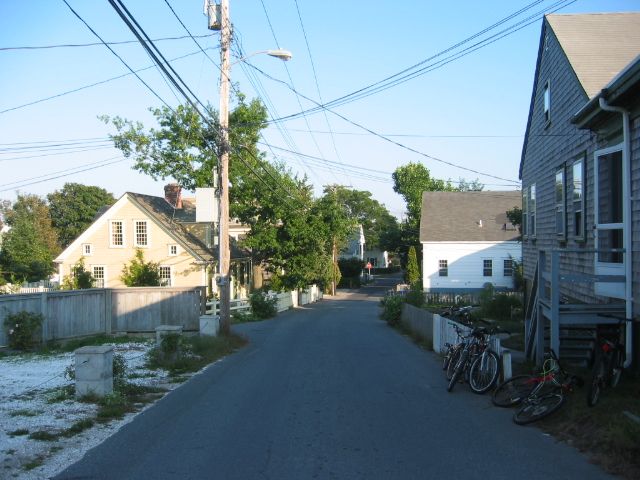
475, 361
609, 357
453, 349
538, 395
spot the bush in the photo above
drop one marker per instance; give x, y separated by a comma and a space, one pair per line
497, 306
263, 306
392, 309
23, 329
415, 296
79, 279
140, 273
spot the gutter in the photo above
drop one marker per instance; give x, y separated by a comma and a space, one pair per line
626, 215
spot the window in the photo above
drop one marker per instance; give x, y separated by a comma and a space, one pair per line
560, 209
165, 276
578, 200
116, 228
525, 209
487, 270
531, 211
87, 249
443, 268
142, 236
508, 268
173, 250
547, 103
99, 276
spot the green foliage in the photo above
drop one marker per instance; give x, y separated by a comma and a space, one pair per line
350, 267
413, 270
263, 305
469, 186
415, 295
79, 279
518, 276
23, 329
28, 249
392, 309
515, 217
497, 306
74, 208
140, 273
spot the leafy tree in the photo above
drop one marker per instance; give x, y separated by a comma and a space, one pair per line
28, 249
79, 279
413, 271
140, 273
472, 186
74, 208
515, 217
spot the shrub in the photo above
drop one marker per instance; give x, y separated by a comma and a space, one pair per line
263, 306
140, 273
497, 306
415, 296
23, 329
79, 279
392, 309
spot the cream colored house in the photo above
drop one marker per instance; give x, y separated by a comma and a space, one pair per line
166, 231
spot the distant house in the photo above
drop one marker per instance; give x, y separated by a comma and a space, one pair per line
376, 257
467, 240
166, 230
580, 171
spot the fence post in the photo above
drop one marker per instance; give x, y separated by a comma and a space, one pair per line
108, 316
437, 327
506, 365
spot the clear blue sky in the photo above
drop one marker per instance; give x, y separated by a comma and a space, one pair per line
471, 112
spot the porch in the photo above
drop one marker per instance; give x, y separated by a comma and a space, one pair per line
554, 320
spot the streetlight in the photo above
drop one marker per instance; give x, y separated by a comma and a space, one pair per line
221, 13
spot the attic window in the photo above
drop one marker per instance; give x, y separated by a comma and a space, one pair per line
547, 103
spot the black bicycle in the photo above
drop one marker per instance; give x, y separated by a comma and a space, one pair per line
608, 363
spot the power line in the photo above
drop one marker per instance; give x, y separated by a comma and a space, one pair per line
72, 45
67, 152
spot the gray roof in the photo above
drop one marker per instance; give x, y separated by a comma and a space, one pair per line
180, 223
468, 216
597, 45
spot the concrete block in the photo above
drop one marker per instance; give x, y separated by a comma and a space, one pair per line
94, 370
162, 330
506, 365
210, 325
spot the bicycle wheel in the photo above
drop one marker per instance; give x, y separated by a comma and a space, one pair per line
447, 357
617, 364
597, 381
453, 361
484, 372
459, 370
513, 391
535, 408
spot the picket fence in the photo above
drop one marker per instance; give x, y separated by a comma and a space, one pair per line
285, 300
76, 313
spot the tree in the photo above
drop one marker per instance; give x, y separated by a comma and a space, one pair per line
472, 186
28, 249
140, 273
515, 217
74, 208
79, 279
413, 270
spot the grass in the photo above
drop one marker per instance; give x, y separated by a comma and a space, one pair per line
19, 432
35, 463
43, 436
53, 348
24, 413
61, 394
78, 427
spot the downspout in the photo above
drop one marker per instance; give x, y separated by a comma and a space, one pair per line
626, 215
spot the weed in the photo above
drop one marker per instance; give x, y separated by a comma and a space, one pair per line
43, 436
24, 413
391, 309
35, 463
22, 329
11, 451
78, 427
61, 394
19, 432
113, 406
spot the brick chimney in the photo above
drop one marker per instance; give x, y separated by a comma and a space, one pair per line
173, 194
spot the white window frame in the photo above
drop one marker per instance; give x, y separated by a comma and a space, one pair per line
97, 279
579, 204
160, 270
507, 271
87, 249
525, 212
484, 267
443, 268
531, 211
146, 233
560, 205
172, 246
111, 234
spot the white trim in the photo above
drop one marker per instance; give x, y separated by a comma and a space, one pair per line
104, 270
84, 249
169, 249
160, 267
135, 221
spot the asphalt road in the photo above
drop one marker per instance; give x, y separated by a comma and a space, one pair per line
328, 391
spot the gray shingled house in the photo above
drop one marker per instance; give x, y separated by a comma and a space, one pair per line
468, 241
580, 167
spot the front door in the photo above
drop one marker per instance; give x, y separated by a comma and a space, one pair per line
609, 221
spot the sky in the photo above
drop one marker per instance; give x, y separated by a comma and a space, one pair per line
462, 118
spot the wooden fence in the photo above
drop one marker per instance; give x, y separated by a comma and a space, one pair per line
284, 300
76, 313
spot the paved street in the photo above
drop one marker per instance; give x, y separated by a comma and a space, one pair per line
328, 391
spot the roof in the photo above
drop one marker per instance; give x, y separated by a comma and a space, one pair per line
468, 216
597, 45
173, 221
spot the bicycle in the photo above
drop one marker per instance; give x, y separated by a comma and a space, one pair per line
452, 348
476, 361
537, 395
608, 364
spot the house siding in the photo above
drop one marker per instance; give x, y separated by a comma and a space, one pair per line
551, 146
465, 265
184, 272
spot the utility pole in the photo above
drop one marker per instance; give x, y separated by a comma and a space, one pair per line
221, 13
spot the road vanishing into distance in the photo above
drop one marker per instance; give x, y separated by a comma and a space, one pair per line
328, 391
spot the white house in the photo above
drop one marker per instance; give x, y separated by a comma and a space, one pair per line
468, 241
355, 245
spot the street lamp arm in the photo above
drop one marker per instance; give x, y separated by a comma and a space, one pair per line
284, 55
